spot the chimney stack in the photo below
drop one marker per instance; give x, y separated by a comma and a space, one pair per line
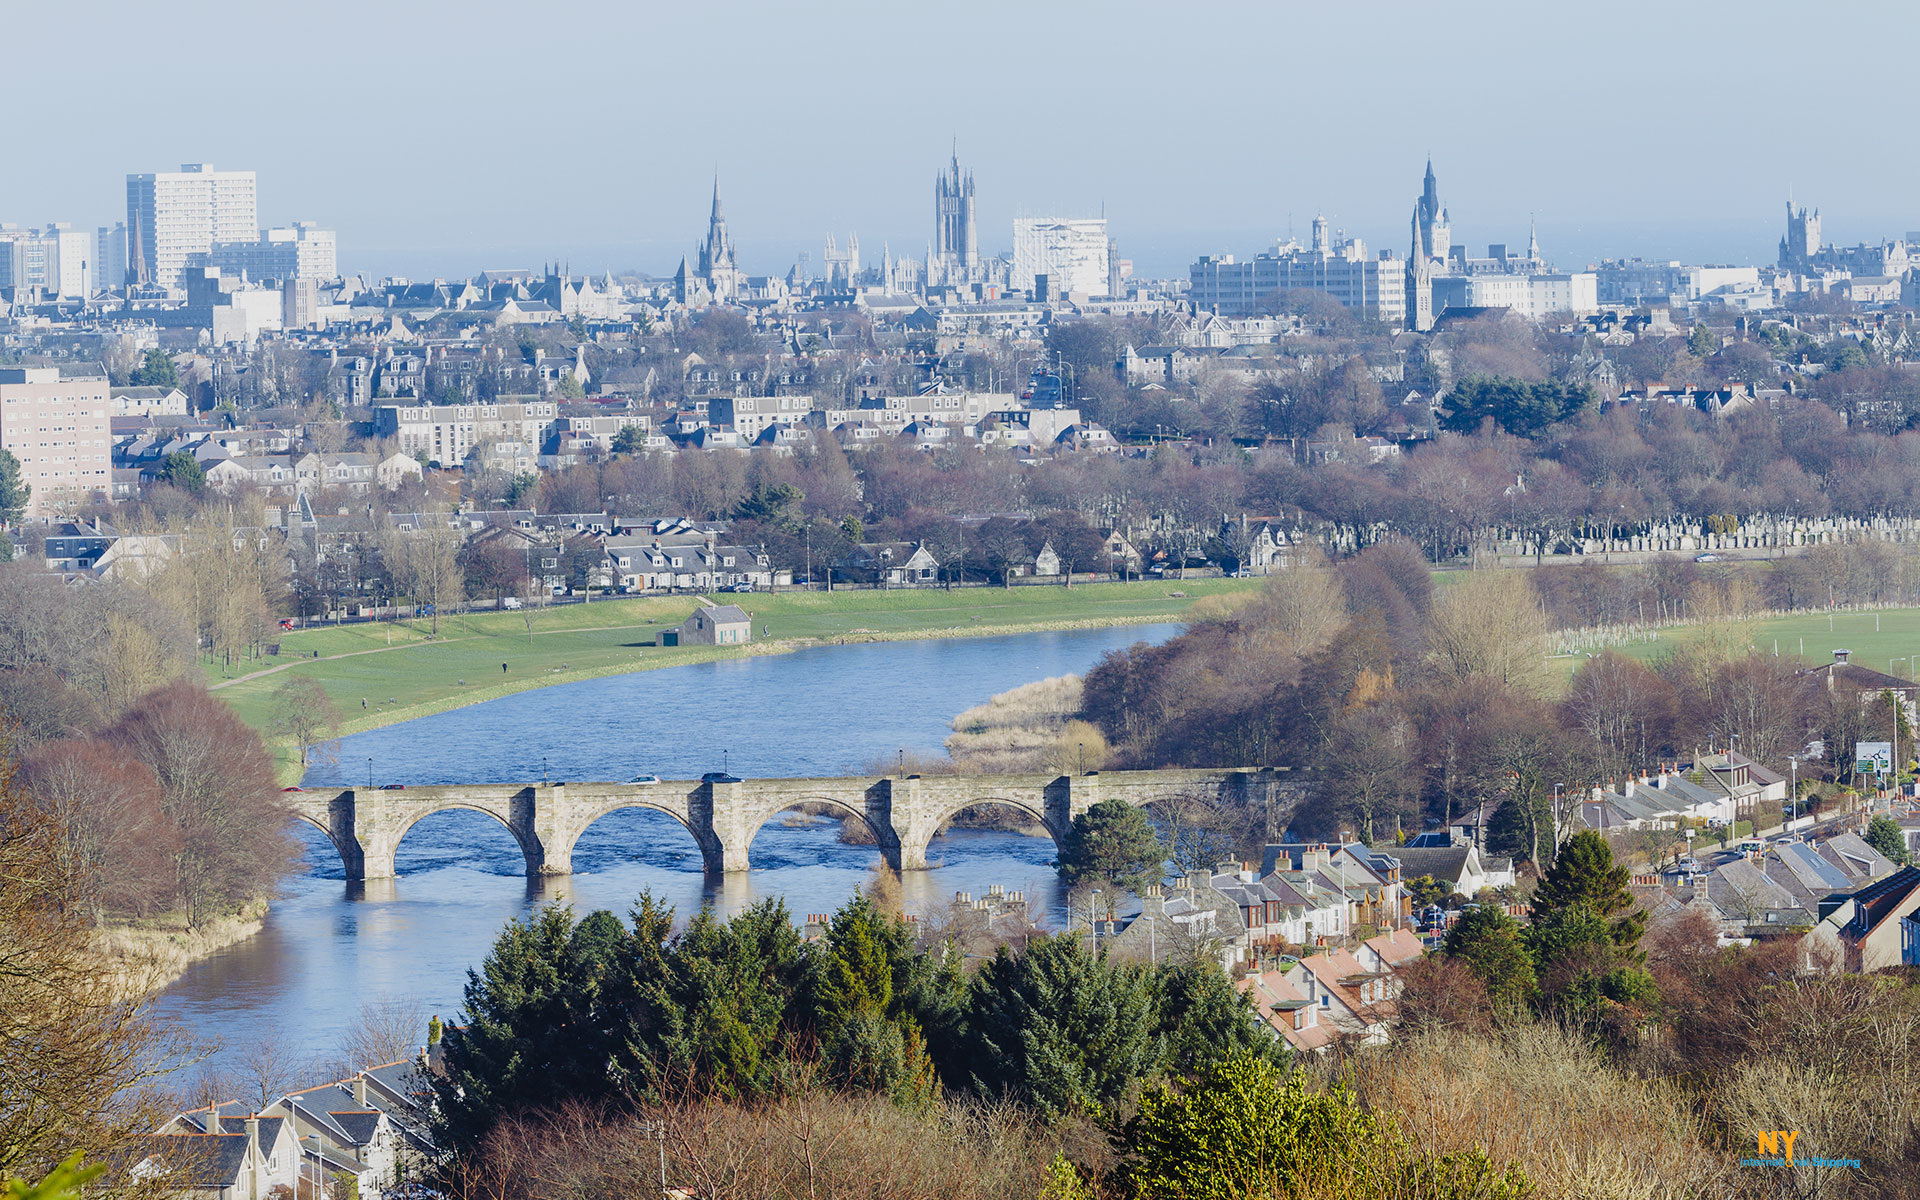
253, 1129
213, 1118
360, 1090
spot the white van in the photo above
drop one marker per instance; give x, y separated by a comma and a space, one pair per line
510, 602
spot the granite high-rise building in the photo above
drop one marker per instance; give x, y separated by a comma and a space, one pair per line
1373, 287
58, 260
110, 257
174, 215
302, 250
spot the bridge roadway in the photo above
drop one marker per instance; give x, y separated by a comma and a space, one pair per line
903, 812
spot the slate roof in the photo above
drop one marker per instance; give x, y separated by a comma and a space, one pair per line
1441, 862
1851, 854
728, 614
209, 1160
360, 1125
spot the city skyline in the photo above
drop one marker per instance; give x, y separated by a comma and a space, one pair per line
1605, 144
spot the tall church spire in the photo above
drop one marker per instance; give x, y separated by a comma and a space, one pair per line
717, 216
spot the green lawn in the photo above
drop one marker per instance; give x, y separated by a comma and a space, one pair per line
400, 672
1885, 640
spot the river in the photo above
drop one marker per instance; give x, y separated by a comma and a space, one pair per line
328, 949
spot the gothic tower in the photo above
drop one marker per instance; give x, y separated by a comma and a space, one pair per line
1434, 226
956, 241
1802, 243
1420, 272
717, 264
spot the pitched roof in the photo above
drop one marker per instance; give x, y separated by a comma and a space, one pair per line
209, 1160
1852, 855
1441, 862
1276, 999
1397, 948
1875, 903
360, 1124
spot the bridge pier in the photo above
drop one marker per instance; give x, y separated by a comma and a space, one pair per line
721, 826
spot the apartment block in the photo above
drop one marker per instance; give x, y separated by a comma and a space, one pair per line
448, 433
174, 215
58, 429
302, 250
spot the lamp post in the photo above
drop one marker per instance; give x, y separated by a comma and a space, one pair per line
369, 772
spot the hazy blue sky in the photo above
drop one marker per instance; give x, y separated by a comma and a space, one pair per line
445, 138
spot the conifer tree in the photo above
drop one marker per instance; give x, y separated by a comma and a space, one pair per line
1204, 1019
1059, 1030
531, 1031
1112, 842
1585, 873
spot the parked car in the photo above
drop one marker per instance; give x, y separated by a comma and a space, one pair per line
293, 789
738, 587
643, 780
719, 777
393, 787
1706, 558
510, 602
286, 622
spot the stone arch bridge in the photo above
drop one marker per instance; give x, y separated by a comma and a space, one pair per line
903, 812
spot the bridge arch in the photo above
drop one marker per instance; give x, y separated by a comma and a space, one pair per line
884, 837
937, 817
402, 823
563, 854
348, 859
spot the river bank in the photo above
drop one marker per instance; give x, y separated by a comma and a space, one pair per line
380, 674
144, 958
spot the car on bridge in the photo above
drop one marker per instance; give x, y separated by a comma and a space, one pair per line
719, 777
643, 780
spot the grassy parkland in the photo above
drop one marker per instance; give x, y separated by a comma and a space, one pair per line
379, 673
1883, 639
